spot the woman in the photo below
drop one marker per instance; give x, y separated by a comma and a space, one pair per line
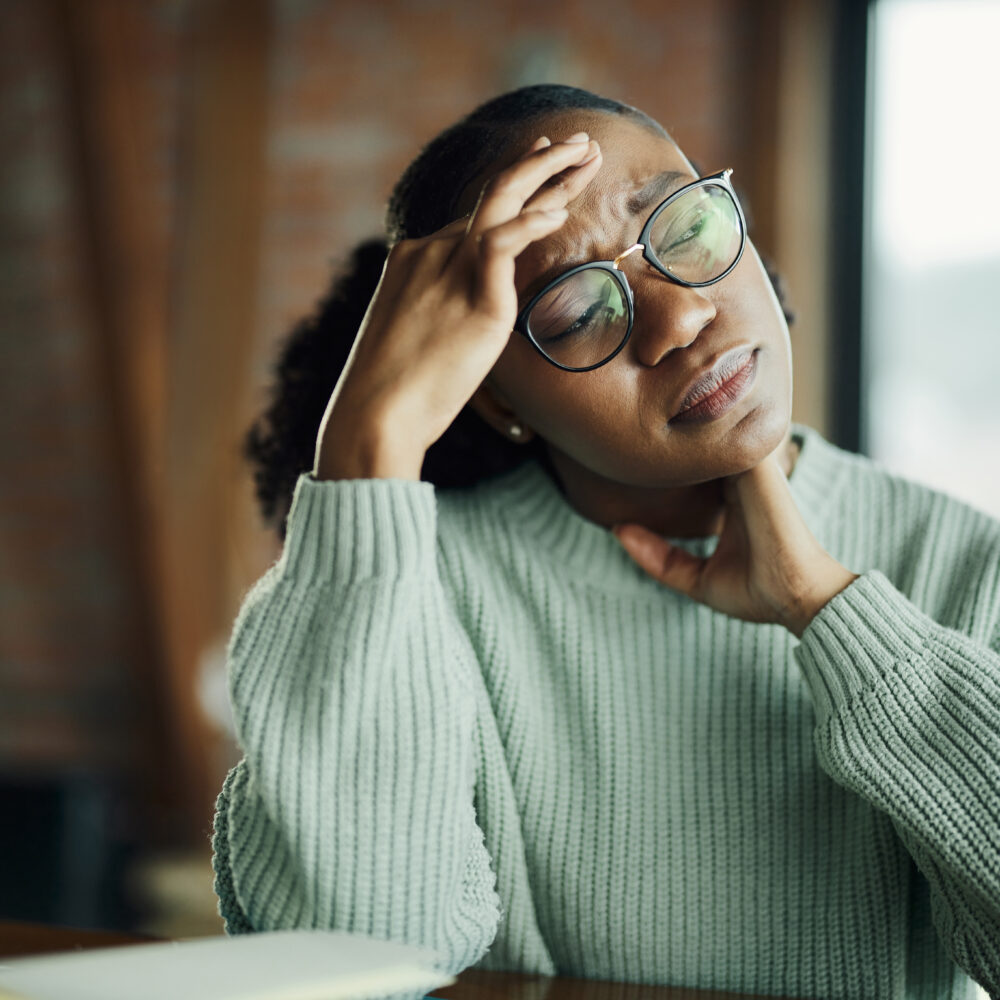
677, 692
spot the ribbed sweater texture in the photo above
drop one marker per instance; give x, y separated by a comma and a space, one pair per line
470, 722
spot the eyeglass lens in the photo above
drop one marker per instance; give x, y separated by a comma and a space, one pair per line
583, 319
697, 236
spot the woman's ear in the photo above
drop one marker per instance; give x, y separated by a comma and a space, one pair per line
491, 405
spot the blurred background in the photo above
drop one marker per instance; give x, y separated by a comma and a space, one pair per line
179, 180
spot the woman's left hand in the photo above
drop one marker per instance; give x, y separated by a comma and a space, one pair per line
767, 567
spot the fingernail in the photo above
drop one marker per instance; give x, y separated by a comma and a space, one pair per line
591, 156
554, 213
544, 141
578, 137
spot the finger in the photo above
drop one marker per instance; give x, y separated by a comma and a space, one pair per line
459, 225
436, 250
664, 562
763, 492
498, 249
565, 186
509, 239
770, 512
504, 195
454, 228
427, 255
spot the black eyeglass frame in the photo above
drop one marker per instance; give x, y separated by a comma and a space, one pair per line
720, 179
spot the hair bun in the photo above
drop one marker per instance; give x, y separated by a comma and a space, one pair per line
281, 443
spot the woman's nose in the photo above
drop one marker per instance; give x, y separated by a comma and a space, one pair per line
667, 316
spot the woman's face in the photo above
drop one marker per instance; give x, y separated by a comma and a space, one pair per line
614, 422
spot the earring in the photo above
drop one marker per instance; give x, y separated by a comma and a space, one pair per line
515, 430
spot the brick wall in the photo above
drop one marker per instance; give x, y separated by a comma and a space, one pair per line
356, 89
107, 605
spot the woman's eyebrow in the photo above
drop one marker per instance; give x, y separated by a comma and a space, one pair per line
654, 190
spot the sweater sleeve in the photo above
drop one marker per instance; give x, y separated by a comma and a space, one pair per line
908, 716
352, 686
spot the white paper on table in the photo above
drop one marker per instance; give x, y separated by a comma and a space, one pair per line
273, 965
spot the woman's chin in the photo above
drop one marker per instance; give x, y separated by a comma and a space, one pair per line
758, 433
739, 444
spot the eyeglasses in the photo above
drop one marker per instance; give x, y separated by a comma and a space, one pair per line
583, 318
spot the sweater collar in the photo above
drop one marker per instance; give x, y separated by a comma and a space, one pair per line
530, 502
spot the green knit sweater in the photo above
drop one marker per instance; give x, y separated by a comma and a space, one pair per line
471, 722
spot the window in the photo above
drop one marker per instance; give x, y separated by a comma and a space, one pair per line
930, 397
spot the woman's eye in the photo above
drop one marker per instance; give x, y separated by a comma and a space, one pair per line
586, 322
683, 232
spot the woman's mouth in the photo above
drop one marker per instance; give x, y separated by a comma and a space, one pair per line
723, 397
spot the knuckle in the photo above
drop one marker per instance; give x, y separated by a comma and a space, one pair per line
492, 243
405, 248
500, 184
441, 243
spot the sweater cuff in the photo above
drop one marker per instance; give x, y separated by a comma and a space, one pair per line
353, 529
863, 632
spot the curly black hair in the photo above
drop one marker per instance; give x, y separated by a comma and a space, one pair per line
280, 445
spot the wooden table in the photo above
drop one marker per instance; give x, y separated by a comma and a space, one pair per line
17, 938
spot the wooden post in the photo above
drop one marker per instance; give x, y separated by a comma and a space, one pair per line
122, 265
789, 69
212, 329
174, 305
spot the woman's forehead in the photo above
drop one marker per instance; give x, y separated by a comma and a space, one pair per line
639, 169
633, 154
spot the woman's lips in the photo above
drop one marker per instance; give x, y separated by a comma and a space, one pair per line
723, 397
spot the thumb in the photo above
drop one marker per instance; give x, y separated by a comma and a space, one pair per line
664, 562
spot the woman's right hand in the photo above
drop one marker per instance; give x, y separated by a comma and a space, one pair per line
442, 314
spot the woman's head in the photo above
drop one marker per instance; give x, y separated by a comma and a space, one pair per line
444, 180
610, 424
614, 423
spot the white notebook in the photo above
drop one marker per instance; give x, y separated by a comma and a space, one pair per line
277, 965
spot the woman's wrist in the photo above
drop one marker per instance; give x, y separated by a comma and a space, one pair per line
828, 584
366, 448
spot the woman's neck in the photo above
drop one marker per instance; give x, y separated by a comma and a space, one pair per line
681, 512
